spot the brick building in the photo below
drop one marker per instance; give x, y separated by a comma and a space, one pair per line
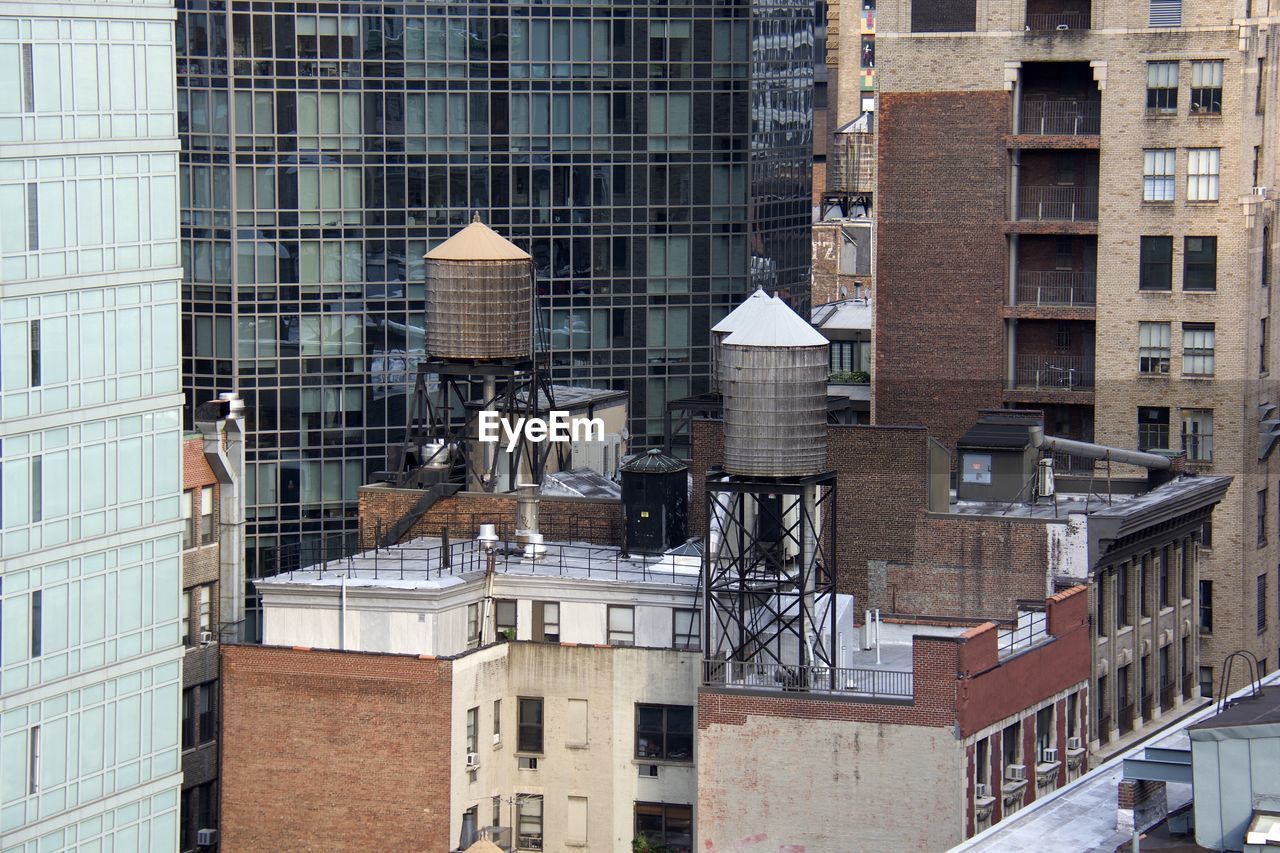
982, 727
1083, 197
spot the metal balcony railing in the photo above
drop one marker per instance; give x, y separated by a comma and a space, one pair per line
1057, 287
1126, 719
1059, 117
1032, 628
1051, 21
753, 675
1054, 372
1065, 204
1167, 692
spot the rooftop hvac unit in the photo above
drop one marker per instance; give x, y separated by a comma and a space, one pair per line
1074, 743
982, 790
473, 760
1049, 756
206, 837
206, 638
1016, 772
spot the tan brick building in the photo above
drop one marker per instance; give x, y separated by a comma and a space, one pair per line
1076, 212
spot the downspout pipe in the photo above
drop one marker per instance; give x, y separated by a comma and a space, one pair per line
1151, 461
224, 451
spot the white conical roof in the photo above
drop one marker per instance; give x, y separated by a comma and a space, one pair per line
484, 845
774, 324
477, 242
744, 310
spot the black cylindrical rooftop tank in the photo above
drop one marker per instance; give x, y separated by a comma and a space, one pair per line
655, 503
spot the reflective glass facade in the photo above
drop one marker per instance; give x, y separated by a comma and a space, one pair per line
653, 158
90, 432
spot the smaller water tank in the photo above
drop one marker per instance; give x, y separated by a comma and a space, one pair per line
479, 297
655, 503
773, 374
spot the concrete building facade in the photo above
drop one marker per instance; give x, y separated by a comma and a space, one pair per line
90, 435
1115, 259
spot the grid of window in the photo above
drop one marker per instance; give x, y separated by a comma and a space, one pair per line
686, 629
622, 625
666, 826
357, 140
1158, 170
1206, 607
1153, 348
529, 725
1162, 87
1197, 434
1198, 345
1262, 603
1206, 87
1153, 427
529, 822
664, 732
1203, 169
1262, 518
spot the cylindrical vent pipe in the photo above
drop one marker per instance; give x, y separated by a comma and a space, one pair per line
526, 512
1152, 461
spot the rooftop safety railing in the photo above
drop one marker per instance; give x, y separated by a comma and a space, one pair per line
1032, 628
1059, 117
1040, 22
845, 681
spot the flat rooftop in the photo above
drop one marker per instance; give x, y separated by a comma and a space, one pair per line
1185, 490
1248, 710
421, 564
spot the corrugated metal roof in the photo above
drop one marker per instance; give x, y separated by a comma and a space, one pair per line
986, 434
774, 324
654, 462
477, 242
744, 310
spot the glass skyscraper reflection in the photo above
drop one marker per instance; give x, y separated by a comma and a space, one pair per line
651, 155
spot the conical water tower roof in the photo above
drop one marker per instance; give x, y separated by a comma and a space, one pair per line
774, 324
477, 242
745, 309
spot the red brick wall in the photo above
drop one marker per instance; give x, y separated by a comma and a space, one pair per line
330, 751
894, 556
942, 258
559, 519
991, 691
195, 468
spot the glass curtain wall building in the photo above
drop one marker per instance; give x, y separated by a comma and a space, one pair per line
90, 410
652, 157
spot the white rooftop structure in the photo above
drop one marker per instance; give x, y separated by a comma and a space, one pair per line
774, 324
846, 315
747, 308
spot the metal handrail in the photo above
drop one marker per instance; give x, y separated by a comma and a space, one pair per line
1054, 372
1058, 204
1057, 287
1027, 633
849, 681
1059, 117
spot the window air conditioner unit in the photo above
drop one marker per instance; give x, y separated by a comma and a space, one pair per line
1074, 743
206, 837
1016, 773
1049, 756
497, 738
1260, 191
982, 790
649, 770
473, 760
206, 638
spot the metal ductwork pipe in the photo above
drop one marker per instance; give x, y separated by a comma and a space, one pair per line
1151, 461
526, 511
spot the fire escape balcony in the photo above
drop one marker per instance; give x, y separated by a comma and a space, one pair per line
1064, 372
1059, 117
1047, 22
1058, 204
1057, 287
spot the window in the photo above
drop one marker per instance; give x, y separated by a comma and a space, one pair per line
188, 521
1203, 166
206, 515
33, 218
529, 822
1206, 682
1153, 348
27, 70
1157, 174
1164, 13
33, 760
204, 609
1206, 607
1262, 603
1198, 341
505, 618
1262, 517
666, 826
199, 810
208, 712
497, 812
622, 626
850, 356
199, 715
1188, 567
1104, 718
1046, 735
1259, 96
664, 732
184, 613
473, 721
1011, 745
1262, 345
1197, 434
546, 621
1073, 715
1164, 577
1156, 266
982, 761
1206, 87
686, 629
35, 353
1100, 622
37, 488
529, 733
1200, 263
37, 623
1144, 586
1162, 87
1153, 427
473, 625
497, 726
1206, 534
1123, 616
